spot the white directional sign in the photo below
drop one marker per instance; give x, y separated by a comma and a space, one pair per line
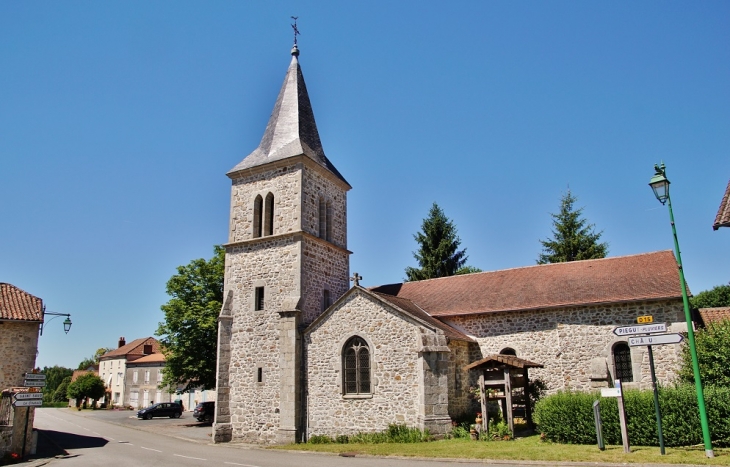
27, 395
34, 383
610, 392
640, 329
28, 403
658, 339
35, 376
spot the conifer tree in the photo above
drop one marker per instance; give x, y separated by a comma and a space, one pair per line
573, 238
438, 254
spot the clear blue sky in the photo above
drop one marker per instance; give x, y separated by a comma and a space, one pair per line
119, 120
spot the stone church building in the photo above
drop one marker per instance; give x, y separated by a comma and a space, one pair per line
302, 352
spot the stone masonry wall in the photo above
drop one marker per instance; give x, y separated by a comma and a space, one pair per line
395, 373
274, 264
18, 346
323, 267
575, 344
316, 186
460, 404
284, 183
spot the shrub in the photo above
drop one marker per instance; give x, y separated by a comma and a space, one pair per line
395, 433
320, 439
567, 417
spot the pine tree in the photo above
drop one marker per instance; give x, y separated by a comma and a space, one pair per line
438, 254
573, 238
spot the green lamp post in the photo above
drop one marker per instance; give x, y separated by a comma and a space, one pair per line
660, 185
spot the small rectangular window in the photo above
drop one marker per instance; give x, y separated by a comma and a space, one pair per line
259, 299
259, 375
326, 300
147, 349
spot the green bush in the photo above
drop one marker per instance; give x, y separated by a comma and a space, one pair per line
567, 417
395, 433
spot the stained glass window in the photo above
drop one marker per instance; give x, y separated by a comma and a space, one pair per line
356, 364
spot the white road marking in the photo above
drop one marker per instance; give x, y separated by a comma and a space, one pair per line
244, 465
150, 449
96, 433
109, 437
188, 457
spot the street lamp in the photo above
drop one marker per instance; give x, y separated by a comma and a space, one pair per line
660, 184
66, 322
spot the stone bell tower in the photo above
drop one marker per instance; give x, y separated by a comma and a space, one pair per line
286, 262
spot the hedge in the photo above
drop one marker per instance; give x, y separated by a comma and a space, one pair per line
567, 417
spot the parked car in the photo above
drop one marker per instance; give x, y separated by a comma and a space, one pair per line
204, 411
163, 409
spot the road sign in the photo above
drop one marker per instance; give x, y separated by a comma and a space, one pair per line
28, 403
35, 376
640, 329
610, 392
644, 319
659, 339
18, 396
37, 383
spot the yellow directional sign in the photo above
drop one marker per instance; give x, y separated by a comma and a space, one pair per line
645, 319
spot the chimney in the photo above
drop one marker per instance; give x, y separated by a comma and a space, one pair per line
122, 342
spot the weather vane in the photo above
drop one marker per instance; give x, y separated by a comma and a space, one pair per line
294, 27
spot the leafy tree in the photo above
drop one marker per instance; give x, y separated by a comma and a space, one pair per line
54, 376
189, 334
86, 363
715, 297
438, 254
86, 386
467, 270
94, 359
573, 238
713, 355
60, 394
99, 352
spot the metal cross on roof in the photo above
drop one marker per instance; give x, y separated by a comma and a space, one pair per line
294, 27
356, 278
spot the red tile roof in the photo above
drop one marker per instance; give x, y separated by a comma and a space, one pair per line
497, 360
412, 309
78, 373
723, 214
151, 358
134, 349
17, 304
647, 276
713, 315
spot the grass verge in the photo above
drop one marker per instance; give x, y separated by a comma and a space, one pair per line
530, 448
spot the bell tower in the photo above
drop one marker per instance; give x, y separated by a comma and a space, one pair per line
286, 262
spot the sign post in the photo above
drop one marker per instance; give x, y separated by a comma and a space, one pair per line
622, 417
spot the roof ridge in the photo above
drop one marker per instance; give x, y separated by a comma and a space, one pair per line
561, 264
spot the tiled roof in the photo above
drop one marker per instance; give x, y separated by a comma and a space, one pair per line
647, 276
151, 358
133, 349
713, 315
411, 308
291, 130
17, 304
78, 373
498, 359
723, 214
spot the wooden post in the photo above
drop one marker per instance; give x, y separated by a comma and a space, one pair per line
528, 406
508, 399
483, 401
622, 417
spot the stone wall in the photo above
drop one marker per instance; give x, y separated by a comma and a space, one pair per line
18, 346
575, 344
460, 404
323, 267
316, 186
396, 370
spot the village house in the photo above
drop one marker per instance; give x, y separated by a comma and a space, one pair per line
302, 353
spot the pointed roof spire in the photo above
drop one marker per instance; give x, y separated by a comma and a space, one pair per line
291, 130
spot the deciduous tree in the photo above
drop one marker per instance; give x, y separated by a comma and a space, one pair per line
713, 355
574, 239
438, 254
189, 334
715, 297
86, 386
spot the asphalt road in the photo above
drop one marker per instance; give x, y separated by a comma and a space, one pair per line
106, 438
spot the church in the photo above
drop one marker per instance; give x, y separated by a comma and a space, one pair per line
304, 349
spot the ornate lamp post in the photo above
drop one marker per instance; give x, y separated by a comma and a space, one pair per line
660, 184
66, 322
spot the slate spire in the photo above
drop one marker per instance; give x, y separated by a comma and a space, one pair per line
291, 130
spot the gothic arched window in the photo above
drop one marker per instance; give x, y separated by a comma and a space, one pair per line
257, 213
356, 365
622, 362
269, 215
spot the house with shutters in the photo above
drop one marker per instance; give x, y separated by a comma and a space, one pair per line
113, 367
303, 352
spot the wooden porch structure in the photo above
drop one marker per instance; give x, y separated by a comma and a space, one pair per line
499, 375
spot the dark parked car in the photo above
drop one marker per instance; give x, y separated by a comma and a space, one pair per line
163, 409
204, 411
